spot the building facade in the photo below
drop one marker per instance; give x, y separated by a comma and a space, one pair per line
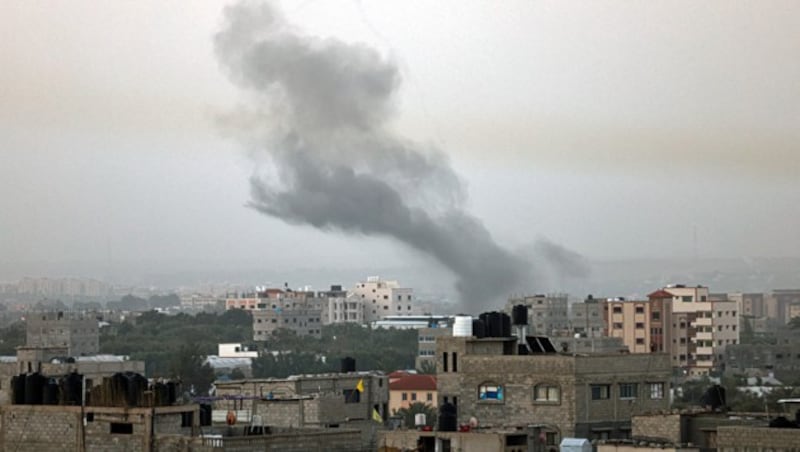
643, 325
380, 298
557, 394
701, 329
78, 333
588, 318
548, 315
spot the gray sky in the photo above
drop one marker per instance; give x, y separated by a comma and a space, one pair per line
613, 128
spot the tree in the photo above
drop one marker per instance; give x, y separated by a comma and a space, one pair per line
427, 367
415, 408
187, 366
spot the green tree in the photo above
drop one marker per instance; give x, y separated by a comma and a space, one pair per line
187, 366
427, 367
415, 408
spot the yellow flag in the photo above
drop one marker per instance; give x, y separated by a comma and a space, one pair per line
360, 385
376, 416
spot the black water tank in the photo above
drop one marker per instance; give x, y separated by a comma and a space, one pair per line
160, 394
137, 384
205, 415
348, 365
522, 349
172, 392
18, 386
505, 321
448, 420
486, 328
519, 314
34, 387
71, 387
478, 328
496, 324
50, 392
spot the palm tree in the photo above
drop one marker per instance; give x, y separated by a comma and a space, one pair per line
417, 408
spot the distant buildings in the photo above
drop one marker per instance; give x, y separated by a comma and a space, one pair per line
643, 325
548, 315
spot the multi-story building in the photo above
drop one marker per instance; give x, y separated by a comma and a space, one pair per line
547, 314
701, 328
777, 304
303, 321
749, 304
643, 325
77, 332
552, 395
381, 298
426, 345
406, 389
588, 318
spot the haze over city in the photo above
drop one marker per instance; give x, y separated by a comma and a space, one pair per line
642, 131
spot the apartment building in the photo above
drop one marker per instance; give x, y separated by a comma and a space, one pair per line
426, 345
380, 298
643, 325
701, 328
406, 389
77, 332
588, 318
547, 314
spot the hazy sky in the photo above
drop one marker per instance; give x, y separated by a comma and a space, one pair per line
616, 129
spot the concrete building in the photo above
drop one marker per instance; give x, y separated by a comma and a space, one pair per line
406, 388
643, 325
303, 321
749, 304
701, 328
381, 298
547, 394
426, 345
342, 307
547, 314
777, 304
781, 359
77, 332
473, 441
336, 394
588, 318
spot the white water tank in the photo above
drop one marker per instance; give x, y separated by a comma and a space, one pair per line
462, 326
419, 420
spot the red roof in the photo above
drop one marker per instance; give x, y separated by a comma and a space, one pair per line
414, 383
660, 293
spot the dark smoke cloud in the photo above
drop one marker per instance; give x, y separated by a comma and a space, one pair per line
335, 164
565, 262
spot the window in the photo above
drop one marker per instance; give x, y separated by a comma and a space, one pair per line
405, 396
444, 362
656, 391
656, 315
686, 298
600, 392
639, 325
628, 390
351, 396
414, 396
617, 309
429, 397
546, 393
640, 309
122, 428
639, 341
490, 391
455, 362
617, 325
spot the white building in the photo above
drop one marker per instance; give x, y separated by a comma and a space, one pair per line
380, 298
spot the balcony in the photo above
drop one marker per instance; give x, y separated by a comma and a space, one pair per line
705, 351
703, 321
702, 336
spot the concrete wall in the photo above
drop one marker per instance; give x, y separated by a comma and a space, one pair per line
45, 428
658, 426
757, 439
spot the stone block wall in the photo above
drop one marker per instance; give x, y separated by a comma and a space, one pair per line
757, 439
662, 426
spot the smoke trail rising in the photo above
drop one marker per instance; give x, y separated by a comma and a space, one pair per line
324, 106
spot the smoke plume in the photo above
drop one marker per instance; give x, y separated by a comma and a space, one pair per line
322, 108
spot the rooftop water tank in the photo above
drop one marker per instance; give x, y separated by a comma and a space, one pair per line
462, 327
